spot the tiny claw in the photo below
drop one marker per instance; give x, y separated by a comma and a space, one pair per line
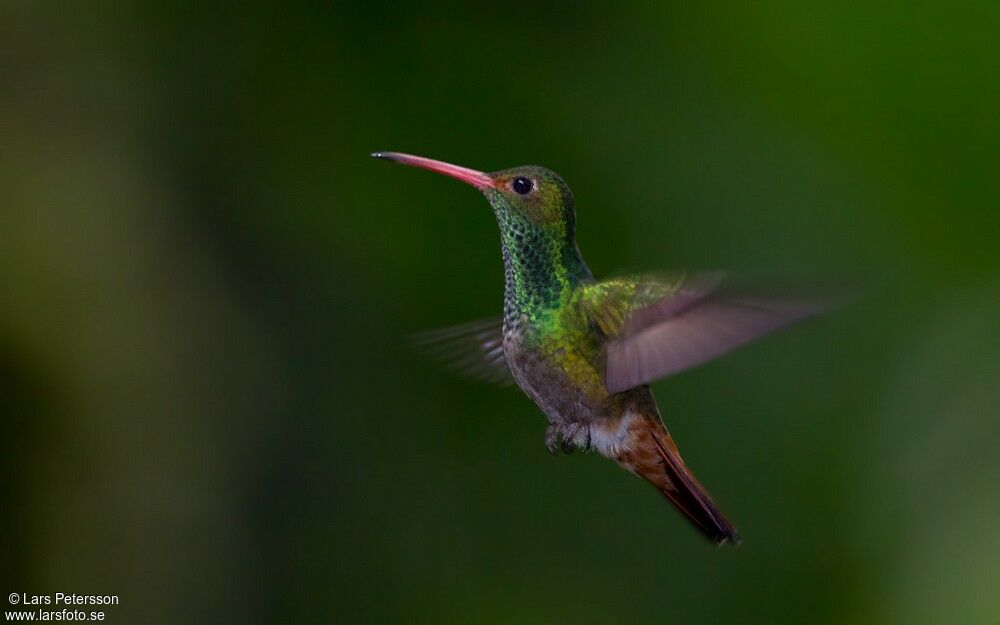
569, 437
552, 440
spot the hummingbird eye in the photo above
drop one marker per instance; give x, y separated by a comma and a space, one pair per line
522, 185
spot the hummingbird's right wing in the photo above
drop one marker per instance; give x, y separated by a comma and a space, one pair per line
656, 326
473, 349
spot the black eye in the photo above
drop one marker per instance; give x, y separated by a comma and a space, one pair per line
522, 185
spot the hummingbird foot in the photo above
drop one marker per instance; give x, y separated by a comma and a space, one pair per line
567, 438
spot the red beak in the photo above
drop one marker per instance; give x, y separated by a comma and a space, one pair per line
477, 179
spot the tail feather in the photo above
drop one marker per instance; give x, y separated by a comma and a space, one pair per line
689, 495
649, 452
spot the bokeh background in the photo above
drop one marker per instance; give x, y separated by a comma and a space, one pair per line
209, 405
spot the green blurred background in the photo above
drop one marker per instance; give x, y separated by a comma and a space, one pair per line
209, 405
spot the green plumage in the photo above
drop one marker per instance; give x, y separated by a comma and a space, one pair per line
584, 351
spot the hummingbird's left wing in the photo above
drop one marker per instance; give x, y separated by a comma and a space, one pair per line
656, 326
473, 349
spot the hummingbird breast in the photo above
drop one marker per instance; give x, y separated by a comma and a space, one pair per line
550, 347
557, 365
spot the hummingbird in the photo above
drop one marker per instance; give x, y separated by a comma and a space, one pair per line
585, 350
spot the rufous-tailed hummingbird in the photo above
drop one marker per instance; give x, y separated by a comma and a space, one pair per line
585, 350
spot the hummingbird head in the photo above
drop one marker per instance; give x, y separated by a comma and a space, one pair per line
528, 201
534, 209
533, 197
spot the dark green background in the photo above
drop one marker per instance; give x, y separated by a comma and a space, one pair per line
209, 405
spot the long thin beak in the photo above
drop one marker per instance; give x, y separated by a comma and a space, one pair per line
477, 179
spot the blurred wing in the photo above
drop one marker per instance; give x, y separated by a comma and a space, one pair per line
472, 349
692, 322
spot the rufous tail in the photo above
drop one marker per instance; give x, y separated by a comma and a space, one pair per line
649, 452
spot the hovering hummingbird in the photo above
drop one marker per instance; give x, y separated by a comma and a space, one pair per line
585, 350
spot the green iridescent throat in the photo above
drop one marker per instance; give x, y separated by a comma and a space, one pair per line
542, 264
